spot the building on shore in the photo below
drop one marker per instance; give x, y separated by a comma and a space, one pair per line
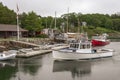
8, 31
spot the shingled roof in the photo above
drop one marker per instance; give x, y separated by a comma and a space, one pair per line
7, 27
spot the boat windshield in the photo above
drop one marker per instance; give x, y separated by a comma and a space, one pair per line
85, 46
80, 46
74, 45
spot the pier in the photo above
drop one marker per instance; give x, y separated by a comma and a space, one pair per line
32, 53
21, 43
31, 47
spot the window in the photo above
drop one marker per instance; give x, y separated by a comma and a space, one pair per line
88, 46
76, 45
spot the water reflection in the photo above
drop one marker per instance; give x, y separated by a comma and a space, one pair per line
7, 63
25, 68
43, 67
31, 65
7, 69
77, 68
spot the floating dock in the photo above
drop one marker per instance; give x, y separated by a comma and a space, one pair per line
32, 53
60, 47
27, 49
21, 43
25, 53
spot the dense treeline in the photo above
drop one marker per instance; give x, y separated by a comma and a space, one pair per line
7, 16
33, 22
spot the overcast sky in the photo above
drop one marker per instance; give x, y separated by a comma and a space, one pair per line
48, 7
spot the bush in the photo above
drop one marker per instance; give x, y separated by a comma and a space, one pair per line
42, 36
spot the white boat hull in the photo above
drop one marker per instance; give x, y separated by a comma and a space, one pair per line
74, 56
12, 56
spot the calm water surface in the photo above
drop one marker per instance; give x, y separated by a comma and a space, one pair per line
43, 67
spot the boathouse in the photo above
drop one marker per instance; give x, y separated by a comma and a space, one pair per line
8, 31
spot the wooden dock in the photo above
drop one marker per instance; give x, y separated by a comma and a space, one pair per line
31, 49
24, 43
60, 47
32, 53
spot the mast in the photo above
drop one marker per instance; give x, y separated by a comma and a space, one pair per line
46, 22
78, 26
55, 19
18, 30
67, 19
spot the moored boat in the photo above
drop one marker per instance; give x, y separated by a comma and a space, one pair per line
96, 42
100, 40
81, 50
6, 55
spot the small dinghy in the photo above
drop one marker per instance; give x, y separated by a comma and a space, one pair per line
6, 55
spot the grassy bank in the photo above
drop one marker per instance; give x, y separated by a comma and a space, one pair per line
98, 30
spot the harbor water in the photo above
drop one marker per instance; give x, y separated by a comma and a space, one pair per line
44, 67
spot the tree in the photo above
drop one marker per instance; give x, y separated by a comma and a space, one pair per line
31, 21
22, 19
7, 16
116, 23
47, 22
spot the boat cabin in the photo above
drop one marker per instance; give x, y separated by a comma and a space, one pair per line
82, 47
86, 45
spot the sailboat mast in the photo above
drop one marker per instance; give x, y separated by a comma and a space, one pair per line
78, 25
67, 18
18, 31
55, 19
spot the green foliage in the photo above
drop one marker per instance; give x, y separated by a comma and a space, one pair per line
47, 22
31, 21
95, 19
7, 16
116, 23
115, 16
42, 36
99, 30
